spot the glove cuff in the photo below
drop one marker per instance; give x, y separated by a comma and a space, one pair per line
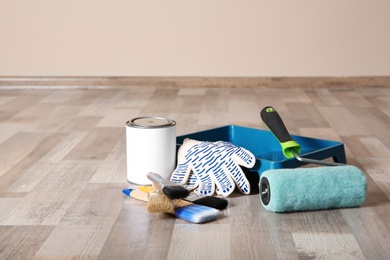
188, 143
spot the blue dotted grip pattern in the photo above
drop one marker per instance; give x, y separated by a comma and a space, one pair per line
212, 167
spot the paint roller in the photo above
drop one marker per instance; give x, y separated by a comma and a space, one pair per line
314, 188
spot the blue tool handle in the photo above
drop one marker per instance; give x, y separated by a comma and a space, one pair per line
275, 123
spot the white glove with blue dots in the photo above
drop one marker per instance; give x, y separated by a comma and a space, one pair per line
212, 167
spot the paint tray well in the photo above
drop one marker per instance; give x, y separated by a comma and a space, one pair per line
267, 150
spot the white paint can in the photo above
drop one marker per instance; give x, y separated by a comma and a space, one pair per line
150, 147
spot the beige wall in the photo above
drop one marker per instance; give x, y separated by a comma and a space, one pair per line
194, 38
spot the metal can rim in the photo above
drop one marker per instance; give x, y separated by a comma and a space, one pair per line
169, 123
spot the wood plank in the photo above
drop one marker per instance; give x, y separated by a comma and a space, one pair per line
63, 166
216, 246
139, 234
22, 242
74, 241
22, 151
250, 235
97, 144
327, 246
191, 82
113, 169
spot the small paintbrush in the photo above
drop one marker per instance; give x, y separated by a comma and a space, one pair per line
182, 209
158, 202
170, 189
209, 201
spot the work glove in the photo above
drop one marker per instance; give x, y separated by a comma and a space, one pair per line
210, 167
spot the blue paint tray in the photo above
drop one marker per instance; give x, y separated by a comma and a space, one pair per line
267, 150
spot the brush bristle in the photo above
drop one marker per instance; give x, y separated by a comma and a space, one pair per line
175, 192
158, 203
197, 213
212, 202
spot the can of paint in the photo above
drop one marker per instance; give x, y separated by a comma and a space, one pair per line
150, 147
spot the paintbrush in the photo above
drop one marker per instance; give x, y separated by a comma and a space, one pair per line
183, 209
170, 189
157, 202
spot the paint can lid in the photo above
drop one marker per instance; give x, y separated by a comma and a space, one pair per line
151, 122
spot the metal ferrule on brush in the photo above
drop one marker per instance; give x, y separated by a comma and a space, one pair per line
170, 189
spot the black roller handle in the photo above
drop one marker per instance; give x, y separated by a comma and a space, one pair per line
275, 123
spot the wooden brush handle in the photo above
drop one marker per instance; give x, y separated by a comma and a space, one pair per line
139, 195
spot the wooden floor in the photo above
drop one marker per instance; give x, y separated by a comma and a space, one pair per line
63, 166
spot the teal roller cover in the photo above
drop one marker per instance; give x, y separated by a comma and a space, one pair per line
316, 188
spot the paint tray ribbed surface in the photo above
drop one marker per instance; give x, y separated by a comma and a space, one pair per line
267, 150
